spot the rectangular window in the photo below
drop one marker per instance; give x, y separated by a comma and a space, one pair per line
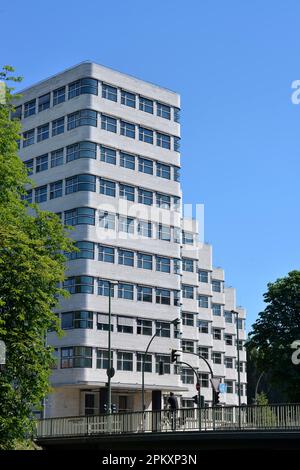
127, 161
203, 326
107, 220
109, 92
164, 232
76, 356
44, 102
108, 155
43, 132
187, 291
177, 266
79, 285
176, 114
145, 229
126, 257
125, 291
163, 329
163, 140
163, 264
128, 129
204, 352
59, 95
29, 166
126, 224
203, 276
217, 310
106, 254
58, 126
145, 197
127, 192
144, 261
108, 123
217, 333
163, 111
187, 238
187, 319
80, 183
80, 215
204, 381
27, 196
144, 294
163, 296
163, 171
188, 346
216, 286
128, 99
41, 163
146, 105
107, 187
240, 323
163, 201
125, 361
188, 265
103, 288
83, 149
57, 158
146, 359
86, 251
28, 138
228, 340
144, 327
229, 385
176, 174
217, 357
146, 135
29, 108
228, 361
82, 87
85, 117
187, 376
177, 144
203, 301
146, 166
103, 322
166, 363
56, 189
102, 359
17, 113
41, 194
125, 325
81, 320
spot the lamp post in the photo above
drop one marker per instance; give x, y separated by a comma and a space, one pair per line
238, 354
176, 321
110, 370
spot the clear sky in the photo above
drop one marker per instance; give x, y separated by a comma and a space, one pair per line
233, 63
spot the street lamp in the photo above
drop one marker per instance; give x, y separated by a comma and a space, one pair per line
238, 353
110, 372
175, 322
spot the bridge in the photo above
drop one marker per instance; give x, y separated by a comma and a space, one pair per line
213, 427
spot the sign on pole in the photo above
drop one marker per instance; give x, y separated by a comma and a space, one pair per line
223, 388
215, 383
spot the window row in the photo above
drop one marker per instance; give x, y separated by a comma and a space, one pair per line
89, 117
87, 149
109, 254
94, 87
88, 182
219, 334
127, 291
84, 319
188, 378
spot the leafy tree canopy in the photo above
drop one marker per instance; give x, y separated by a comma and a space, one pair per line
32, 267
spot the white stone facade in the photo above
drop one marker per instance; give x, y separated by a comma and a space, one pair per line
120, 189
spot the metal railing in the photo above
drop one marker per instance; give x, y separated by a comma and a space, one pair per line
252, 417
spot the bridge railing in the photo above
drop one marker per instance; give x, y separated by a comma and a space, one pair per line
219, 418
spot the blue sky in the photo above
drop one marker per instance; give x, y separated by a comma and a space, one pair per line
233, 63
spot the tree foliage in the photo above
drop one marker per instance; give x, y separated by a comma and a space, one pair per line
273, 333
32, 264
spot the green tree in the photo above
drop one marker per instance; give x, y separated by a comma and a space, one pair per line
31, 269
273, 333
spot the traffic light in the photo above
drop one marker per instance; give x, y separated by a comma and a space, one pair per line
114, 408
174, 354
105, 408
195, 398
161, 368
216, 397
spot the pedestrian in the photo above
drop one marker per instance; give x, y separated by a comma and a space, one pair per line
173, 406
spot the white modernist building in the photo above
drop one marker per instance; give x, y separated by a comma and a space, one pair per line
103, 151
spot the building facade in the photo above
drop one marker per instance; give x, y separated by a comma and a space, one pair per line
103, 150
